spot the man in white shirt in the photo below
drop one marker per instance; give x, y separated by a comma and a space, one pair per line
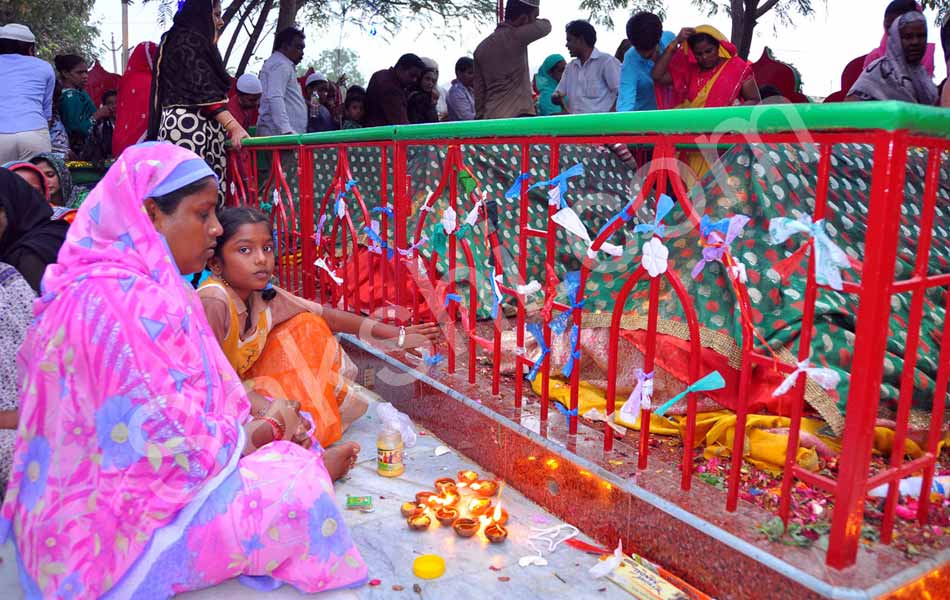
592, 80
26, 95
283, 108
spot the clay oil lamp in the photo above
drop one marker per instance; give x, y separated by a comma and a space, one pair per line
465, 527
468, 477
495, 533
486, 489
425, 498
419, 522
447, 515
450, 498
446, 485
479, 506
411, 509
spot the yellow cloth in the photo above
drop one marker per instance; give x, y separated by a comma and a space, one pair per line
716, 430
242, 354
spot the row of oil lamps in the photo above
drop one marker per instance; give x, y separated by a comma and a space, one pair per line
446, 505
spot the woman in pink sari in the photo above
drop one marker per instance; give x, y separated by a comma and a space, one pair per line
138, 470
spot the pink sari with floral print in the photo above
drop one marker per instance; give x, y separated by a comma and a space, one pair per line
128, 478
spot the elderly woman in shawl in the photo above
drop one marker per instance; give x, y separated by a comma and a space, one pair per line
900, 74
138, 470
190, 88
29, 237
546, 80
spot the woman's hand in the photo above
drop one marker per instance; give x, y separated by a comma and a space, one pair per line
237, 135
104, 112
684, 34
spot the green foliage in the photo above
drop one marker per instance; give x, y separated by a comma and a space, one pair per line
60, 26
599, 10
342, 61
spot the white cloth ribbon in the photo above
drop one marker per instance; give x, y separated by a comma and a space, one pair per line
323, 266
569, 220
449, 221
828, 379
472, 216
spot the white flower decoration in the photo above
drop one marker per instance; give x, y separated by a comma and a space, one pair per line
449, 221
655, 257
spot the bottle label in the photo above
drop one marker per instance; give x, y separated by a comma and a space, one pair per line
389, 461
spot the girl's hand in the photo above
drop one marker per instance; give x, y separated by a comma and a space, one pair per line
684, 34
237, 134
422, 335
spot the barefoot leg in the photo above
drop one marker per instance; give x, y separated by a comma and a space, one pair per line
340, 459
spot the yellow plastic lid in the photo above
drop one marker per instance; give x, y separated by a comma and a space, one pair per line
428, 566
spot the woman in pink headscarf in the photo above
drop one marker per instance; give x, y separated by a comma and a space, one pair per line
131, 113
138, 469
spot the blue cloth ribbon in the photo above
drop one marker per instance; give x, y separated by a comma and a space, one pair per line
575, 355
663, 207
829, 258
572, 284
339, 204
538, 334
561, 181
379, 244
383, 210
713, 381
717, 238
568, 414
515, 190
496, 297
624, 215
449, 298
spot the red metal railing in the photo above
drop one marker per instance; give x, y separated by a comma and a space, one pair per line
294, 219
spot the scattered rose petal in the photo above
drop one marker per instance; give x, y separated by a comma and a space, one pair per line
398, 588
494, 568
374, 582
504, 579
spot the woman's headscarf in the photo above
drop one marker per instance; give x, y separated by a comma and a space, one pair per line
547, 85
189, 70
684, 69
15, 165
131, 118
106, 458
66, 187
892, 77
30, 230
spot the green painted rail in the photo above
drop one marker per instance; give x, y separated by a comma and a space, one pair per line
767, 118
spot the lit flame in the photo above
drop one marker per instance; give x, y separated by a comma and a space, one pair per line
496, 516
476, 486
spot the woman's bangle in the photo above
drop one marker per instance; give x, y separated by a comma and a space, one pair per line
402, 337
276, 427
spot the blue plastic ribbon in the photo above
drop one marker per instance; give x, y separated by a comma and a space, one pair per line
829, 258
713, 381
434, 360
568, 414
319, 232
706, 226
339, 204
663, 207
449, 298
538, 334
379, 244
624, 215
383, 210
561, 181
515, 190
575, 355
496, 297
572, 284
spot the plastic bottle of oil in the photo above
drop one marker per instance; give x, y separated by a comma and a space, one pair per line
389, 450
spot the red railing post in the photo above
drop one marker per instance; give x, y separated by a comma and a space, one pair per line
307, 223
874, 309
402, 203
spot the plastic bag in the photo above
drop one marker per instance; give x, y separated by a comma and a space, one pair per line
394, 419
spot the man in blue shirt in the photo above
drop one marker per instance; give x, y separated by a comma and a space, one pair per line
645, 32
26, 95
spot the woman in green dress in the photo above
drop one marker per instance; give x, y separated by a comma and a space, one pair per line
77, 110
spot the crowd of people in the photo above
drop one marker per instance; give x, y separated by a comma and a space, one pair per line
181, 440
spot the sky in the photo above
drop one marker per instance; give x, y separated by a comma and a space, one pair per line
819, 46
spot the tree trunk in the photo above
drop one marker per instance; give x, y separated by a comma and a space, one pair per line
232, 10
287, 14
255, 36
743, 24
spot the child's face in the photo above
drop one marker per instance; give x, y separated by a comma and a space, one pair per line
355, 111
246, 261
